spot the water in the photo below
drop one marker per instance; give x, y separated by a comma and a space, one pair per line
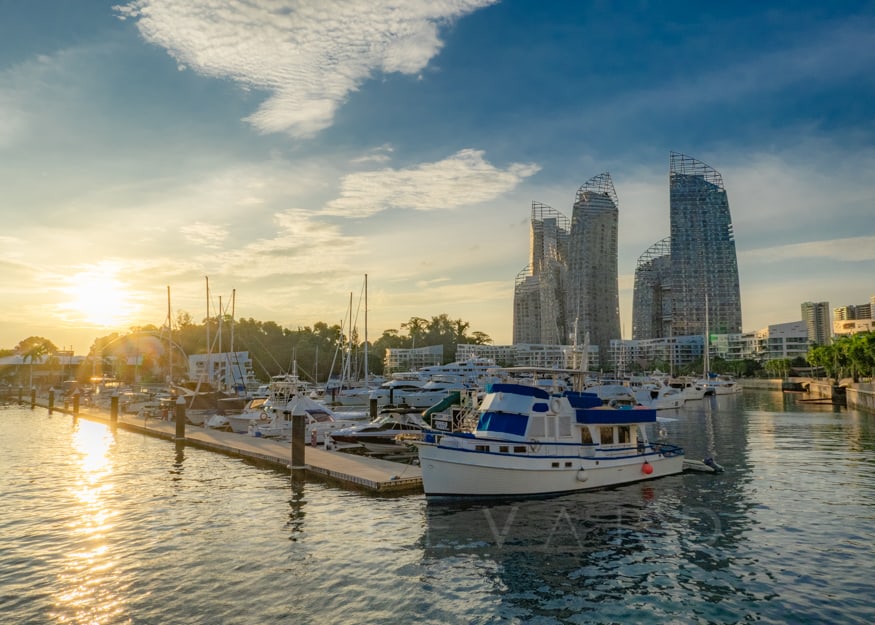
105, 527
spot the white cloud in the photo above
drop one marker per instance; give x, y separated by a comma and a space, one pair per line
460, 180
308, 56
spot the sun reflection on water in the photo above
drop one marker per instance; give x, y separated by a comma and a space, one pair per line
89, 591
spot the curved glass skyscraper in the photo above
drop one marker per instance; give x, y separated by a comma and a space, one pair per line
593, 299
651, 304
569, 289
704, 267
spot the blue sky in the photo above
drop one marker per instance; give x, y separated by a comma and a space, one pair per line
284, 149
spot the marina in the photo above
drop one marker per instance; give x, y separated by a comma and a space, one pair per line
114, 526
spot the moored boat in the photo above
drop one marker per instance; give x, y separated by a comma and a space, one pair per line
529, 442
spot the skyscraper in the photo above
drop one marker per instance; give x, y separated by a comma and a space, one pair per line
816, 318
704, 267
539, 289
569, 289
651, 304
593, 299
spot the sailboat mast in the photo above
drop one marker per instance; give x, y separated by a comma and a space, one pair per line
209, 353
707, 356
169, 340
366, 329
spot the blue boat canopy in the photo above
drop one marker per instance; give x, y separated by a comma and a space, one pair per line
615, 416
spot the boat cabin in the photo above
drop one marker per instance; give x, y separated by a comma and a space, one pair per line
516, 412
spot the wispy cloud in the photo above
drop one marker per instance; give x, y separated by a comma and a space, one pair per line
465, 178
208, 235
308, 56
851, 249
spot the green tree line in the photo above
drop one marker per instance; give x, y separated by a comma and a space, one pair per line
316, 352
850, 356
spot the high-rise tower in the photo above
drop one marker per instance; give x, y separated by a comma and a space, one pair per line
703, 259
651, 303
593, 300
816, 318
539, 296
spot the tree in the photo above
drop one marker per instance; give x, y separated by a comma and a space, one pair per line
35, 348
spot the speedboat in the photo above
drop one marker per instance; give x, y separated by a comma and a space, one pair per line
382, 434
318, 420
659, 397
529, 442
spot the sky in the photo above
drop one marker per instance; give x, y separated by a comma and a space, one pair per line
281, 150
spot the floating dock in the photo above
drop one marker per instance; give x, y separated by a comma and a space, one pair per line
361, 472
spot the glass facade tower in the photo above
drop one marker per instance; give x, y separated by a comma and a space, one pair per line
704, 267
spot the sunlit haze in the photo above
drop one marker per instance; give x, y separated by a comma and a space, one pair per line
285, 149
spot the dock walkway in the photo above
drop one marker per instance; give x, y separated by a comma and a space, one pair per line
371, 474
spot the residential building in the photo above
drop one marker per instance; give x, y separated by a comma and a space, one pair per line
816, 318
704, 267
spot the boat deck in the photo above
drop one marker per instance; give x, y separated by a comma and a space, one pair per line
361, 472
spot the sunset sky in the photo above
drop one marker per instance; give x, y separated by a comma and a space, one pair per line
285, 149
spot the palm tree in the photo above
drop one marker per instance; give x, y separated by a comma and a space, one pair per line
34, 348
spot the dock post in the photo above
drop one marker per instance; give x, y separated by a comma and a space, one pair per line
298, 442
32, 397
373, 408
180, 419
51, 400
20, 394
113, 409
76, 403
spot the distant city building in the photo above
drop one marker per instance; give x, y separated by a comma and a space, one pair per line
411, 359
704, 267
651, 305
782, 340
853, 318
531, 355
568, 294
226, 370
816, 318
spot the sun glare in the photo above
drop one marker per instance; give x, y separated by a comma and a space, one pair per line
98, 297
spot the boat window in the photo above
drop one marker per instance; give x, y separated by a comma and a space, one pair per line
519, 449
623, 434
482, 447
606, 433
537, 428
503, 449
502, 422
563, 424
585, 436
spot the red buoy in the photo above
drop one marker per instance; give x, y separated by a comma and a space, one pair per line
647, 468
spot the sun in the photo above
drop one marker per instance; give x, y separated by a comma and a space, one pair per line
98, 297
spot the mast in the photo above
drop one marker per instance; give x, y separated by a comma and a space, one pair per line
706, 359
209, 353
367, 384
169, 340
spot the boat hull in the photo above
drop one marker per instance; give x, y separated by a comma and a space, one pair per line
448, 472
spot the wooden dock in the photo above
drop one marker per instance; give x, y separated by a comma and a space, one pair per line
361, 472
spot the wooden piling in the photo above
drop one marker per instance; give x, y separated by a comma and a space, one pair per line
180, 419
113, 409
372, 408
51, 400
33, 398
76, 403
298, 442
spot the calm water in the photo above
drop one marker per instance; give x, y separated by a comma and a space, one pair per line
115, 527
